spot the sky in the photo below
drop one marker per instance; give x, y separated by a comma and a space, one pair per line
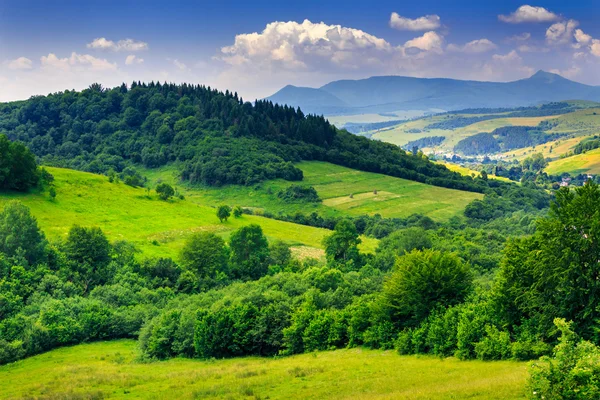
257, 47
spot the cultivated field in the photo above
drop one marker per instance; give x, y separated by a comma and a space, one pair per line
112, 370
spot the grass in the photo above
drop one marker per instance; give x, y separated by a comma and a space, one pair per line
551, 149
585, 163
110, 370
156, 227
469, 172
399, 135
395, 197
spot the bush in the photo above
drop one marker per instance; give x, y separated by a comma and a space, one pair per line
573, 372
165, 191
295, 193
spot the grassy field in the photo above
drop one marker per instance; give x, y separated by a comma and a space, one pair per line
469, 172
158, 228
586, 163
111, 370
395, 197
400, 134
550, 150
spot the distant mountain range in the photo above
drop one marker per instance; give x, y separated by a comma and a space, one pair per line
393, 93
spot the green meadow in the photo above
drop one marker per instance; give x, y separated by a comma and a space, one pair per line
335, 185
113, 370
585, 163
156, 227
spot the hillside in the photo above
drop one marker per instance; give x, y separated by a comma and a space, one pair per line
217, 137
395, 198
110, 370
156, 227
381, 94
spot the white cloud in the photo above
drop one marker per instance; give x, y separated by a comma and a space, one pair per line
475, 46
121, 45
528, 48
595, 47
569, 73
430, 41
295, 46
133, 59
527, 13
181, 66
520, 37
77, 61
507, 67
561, 32
20, 63
426, 23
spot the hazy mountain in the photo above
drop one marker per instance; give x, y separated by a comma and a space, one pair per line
392, 93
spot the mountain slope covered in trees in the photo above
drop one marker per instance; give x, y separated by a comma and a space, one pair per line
217, 137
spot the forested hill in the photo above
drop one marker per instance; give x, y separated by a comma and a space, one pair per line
216, 137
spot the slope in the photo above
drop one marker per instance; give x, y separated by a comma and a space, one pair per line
156, 227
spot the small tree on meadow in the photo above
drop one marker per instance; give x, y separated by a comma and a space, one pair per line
165, 191
223, 213
237, 212
52, 193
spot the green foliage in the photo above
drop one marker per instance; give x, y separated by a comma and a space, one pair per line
165, 191
88, 252
299, 193
279, 253
563, 254
223, 213
423, 281
237, 212
206, 255
249, 253
571, 373
19, 233
18, 169
342, 245
535, 163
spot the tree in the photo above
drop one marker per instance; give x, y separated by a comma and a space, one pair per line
205, 254
556, 272
342, 245
223, 213
421, 282
88, 251
237, 211
165, 191
280, 253
18, 169
249, 252
20, 234
52, 193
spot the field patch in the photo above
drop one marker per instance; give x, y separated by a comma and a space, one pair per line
111, 370
585, 163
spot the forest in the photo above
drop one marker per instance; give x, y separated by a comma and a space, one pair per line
218, 138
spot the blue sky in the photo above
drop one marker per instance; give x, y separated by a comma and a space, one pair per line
257, 47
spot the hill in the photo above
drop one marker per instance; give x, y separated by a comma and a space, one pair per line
156, 227
216, 137
111, 370
395, 198
381, 94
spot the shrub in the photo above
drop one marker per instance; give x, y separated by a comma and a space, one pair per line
165, 191
571, 373
295, 193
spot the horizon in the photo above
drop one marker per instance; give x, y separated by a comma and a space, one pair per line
256, 49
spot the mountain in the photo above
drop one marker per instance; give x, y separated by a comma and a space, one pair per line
392, 93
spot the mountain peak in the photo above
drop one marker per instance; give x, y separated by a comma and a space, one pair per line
546, 76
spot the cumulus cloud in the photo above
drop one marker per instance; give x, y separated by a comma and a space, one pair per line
20, 63
528, 48
133, 59
507, 66
595, 47
582, 38
426, 23
561, 32
475, 46
527, 13
569, 73
295, 46
181, 66
77, 61
121, 45
430, 41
